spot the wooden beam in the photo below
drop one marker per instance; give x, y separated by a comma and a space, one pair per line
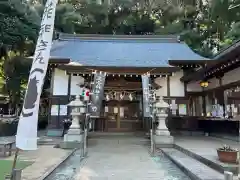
168, 86
119, 70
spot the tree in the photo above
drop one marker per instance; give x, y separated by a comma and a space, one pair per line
14, 76
19, 25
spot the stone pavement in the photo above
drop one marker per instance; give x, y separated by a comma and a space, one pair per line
125, 158
44, 159
206, 147
204, 142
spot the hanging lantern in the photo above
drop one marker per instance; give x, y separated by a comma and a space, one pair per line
130, 97
204, 83
107, 97
121, 96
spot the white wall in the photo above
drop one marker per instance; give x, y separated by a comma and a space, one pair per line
213, 83
60, 87
176, 86
75, 89
195, 86
231, 76
162, 81
60, 82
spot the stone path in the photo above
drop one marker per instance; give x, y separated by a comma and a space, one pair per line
125, 158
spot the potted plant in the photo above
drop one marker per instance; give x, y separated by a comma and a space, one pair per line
227, 154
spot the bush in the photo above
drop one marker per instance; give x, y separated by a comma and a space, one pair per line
42, 122
8, 127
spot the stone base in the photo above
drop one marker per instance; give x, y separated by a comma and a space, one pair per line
70, 145
162, 132
55, 132
163, 141
74, 137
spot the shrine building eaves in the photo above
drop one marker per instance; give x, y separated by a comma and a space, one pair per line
225, 60
122, 50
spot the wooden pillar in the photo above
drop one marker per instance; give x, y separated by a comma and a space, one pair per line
69, 92
51, 95
222, 100
168, 89
203, 102
118, 116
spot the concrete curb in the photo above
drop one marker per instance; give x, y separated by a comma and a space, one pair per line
201, 159
191, 175
44, 176
207, 162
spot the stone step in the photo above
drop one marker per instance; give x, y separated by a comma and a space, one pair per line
192, 167
214, 164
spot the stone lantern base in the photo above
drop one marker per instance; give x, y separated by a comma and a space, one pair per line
162, 137
162, 141
73, 139
74, 135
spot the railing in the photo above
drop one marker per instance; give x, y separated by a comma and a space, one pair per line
83, 148
228, 175
16, 175
153, 146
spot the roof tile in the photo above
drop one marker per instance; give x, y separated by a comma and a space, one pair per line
123, 52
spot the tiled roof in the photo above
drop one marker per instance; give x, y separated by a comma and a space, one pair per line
122, 50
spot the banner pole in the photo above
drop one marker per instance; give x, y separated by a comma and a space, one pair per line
26, 139
14, 162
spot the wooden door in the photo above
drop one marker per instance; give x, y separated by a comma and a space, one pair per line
123, 116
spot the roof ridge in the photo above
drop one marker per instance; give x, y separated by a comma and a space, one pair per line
169, 38
226, 49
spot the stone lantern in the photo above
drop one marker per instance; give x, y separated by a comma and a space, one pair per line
162, 135
78, 110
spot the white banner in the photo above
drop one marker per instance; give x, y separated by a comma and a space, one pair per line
26, 138
146, 93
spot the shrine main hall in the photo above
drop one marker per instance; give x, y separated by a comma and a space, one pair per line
124, 58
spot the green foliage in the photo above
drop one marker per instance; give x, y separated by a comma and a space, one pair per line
205, 27
14, 76
18, 23
6, 166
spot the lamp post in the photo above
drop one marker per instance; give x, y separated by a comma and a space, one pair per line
162, 137
75, 132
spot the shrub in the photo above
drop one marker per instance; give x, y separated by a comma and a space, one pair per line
8, 127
